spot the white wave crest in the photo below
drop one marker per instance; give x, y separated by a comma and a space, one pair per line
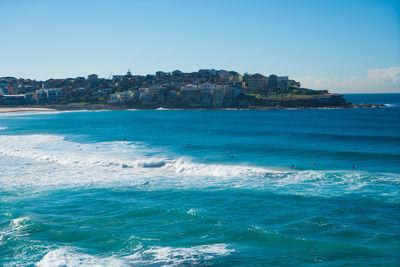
44, 161
18, 223
165, 256
3, 128
67, 257
392, 105
216, 170
180, 256
16, 228
55, 149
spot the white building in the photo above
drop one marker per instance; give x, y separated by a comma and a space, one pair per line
207, 86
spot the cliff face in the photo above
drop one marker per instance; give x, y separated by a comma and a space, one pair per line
330, 100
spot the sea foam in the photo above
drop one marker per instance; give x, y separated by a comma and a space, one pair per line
155, 255
56, 162
68, 257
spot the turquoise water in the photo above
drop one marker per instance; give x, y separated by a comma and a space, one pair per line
197, 187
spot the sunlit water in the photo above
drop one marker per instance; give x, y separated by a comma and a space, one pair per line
197, 187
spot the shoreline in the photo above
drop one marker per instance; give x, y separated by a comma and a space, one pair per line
5, 109
23, 109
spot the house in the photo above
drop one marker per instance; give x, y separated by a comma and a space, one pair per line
256, 83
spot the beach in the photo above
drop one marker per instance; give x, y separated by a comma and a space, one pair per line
23, 109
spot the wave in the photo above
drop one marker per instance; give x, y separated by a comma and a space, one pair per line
165, 256
121, 154
161, 108
50, 161
16, 228
3, 128
392, 105
67, 257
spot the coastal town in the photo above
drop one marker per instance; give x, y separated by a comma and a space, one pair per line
206, 88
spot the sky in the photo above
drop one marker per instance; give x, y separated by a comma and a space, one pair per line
345, 46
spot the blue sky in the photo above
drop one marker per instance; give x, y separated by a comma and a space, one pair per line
344, 46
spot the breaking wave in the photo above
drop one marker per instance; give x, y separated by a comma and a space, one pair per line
392, 105
155, 255
55, 149
54, 161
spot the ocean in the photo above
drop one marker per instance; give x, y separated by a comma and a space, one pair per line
202, 187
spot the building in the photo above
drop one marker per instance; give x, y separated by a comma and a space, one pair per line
218, 97
93, 77
13, 99
233, 91
41, 96
237, 78
177, 73
4, 91
294, 84
122, 97
272, 81
256, 83
30, 98
190, 95
48, 95
53, 94
161, 94
206, 100
172, 96
207, 86
283, 82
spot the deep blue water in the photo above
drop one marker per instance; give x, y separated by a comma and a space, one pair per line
202, 187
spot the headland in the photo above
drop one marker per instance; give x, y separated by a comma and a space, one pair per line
204, 89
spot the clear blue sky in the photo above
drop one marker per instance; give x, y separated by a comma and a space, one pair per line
342, 45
